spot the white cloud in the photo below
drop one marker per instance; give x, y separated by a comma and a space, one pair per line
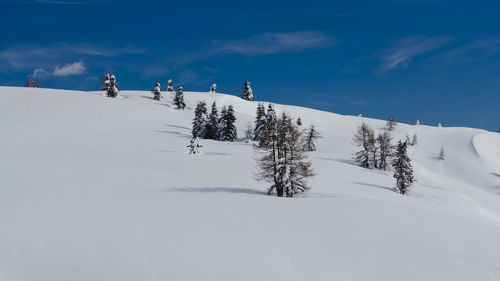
271, 43
70, 69
406, 49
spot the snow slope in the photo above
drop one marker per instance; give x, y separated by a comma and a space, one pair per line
94, 188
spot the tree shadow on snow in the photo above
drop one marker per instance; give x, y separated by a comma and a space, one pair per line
374, 185
345, 161
217, 189
179, 127
179, 134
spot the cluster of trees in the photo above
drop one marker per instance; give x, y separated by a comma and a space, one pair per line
31, 82
282, 147
378, 152
214, 126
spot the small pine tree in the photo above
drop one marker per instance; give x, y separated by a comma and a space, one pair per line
31, 82
194, 145
212, 127
227, 130
403, 171
260, 121
213, 88
200, 120
442, 155
179, 99
299, 122
385, 149
157, 91
170, 87
110, 86
391, 124
247, 93
311, 135
364, 138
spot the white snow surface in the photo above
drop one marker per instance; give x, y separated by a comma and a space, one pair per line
96, 188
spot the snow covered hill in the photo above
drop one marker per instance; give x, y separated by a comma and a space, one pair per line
94, 188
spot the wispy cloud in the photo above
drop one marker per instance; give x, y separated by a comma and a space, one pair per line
272, 43
68, 69
404, 50
478, 50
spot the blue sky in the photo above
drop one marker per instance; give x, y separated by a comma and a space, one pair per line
434, 60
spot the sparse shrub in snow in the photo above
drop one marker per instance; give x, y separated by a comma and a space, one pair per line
260, 121
170, 87
110, 85
249, 133
299, 122
310, 136
391, 124
414, 140
403, 171
282, 160
441, 153
194, 145
213, 88
179, 99
365, 139
200, 120
247, 93
157, 91
385, 149
212, 127
227, 129
31, 82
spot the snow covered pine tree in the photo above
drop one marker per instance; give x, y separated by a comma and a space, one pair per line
170, 87
442, 155
403, 171
310, 136
260, 121
31, 82
247, 93
157, 91
299, 122
282, 160
200, 120
227, 130
212, 127
110, 86
179, 99
391, 124
194, 145
269, 127
213, 88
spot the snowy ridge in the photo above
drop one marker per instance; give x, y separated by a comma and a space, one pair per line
95, 188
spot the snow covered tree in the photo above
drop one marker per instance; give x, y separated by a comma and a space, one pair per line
299, 122
311, 135
179, 99
282, 160
200, 120
157, 91
170, 87
110, 86
213, 88
364, 138
227, 130
391, 124
260, 121
418, 122
441, 153
385, 149
268, 129
31, 82
403, 171
212, 127
194, 145
247, 94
